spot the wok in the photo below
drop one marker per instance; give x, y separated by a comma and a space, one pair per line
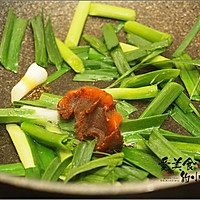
174, 17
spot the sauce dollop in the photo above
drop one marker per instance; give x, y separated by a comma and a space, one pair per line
95, 115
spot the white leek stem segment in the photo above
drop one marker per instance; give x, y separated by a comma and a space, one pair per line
34, 76
45, 113
21, 144
77, 24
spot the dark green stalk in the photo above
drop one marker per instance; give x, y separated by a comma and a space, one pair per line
96, 44
136, 40
52, 49
15, 169
119, 26
55, 169
15, 115
56, 75
94, 55
173, 136
125, 108
144, 160
188, 120
39, 39
146, 50
163, 100
96, 64
147, 123
189, 75
110, 36
153, 77
83, 154
115, 159
7, 34
45, 137
120, 60
11, 42
141, 64
97, 75
164, 149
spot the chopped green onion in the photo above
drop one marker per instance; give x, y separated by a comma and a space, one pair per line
115, 159
25, 149
96, 44
110, 36
11, 41
108, 11
67, 125
188, 148
163, 148
77, 24
154, 61
189, 75
147, 123
188, 120
45, 155
125, 108
97, 75
96, 64
99, 175
15, 169
56, 75
83, 154
120, 60
144, 160
139, 65
136, 40
146, 50
149, 78
173, 136
15, 115
55, 169
146, 32
39, 39
133, 93
119, 26
132, 173
70, 58
52, 49
163, 100
34, 76
7, 34
80, 49
183, 102
94, 55
45, 137
50, 99
15, 44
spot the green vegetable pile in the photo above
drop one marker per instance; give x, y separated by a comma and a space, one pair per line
47, 145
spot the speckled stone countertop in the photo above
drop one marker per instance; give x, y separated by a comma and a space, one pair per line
174, 17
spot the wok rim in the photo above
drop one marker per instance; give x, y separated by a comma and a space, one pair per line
89, 189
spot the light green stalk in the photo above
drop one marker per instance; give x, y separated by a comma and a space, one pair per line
115, 12
146, 32
77, 24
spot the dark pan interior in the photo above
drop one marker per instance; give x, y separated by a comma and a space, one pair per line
174, 17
